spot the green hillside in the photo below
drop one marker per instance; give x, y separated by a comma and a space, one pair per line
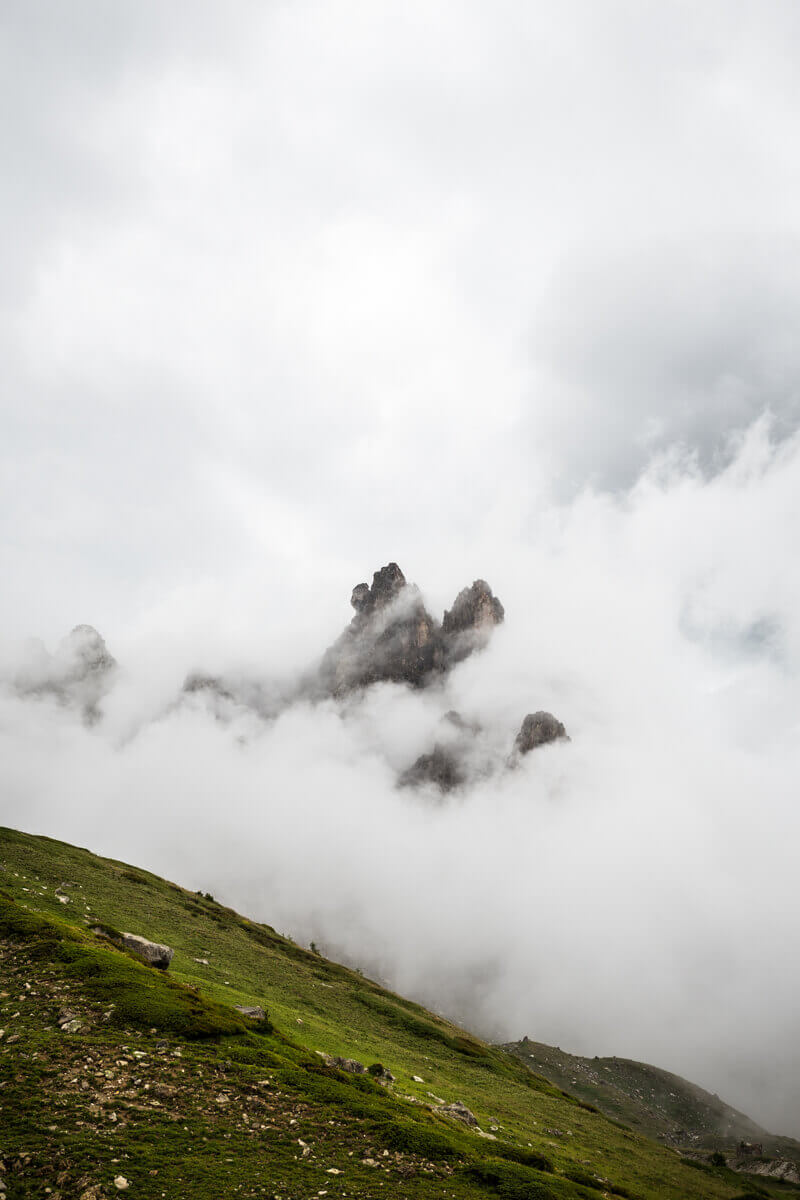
656, 1102
112, 1070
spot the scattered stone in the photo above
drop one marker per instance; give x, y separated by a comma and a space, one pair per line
120, 1183
203, 961
254, 1011
349, 1064
153, 953
780, 1169
459, 1111
69, 1021
538, 729
417, 1079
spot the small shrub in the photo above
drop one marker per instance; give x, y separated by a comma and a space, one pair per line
376, 1069
510, 1181
134, 877
527, 1158
415, 1139
584, 1179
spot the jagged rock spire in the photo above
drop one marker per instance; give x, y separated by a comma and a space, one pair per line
393, 636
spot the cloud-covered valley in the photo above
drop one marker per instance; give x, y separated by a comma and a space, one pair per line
297, 291
630, 891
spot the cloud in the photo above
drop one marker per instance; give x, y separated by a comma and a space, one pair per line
310, 288
658, 347
631, 892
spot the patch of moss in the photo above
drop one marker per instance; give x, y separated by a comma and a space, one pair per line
512, 1181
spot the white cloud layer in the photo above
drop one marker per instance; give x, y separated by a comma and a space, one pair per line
296, 290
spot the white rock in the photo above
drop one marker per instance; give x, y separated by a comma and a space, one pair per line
120, 1183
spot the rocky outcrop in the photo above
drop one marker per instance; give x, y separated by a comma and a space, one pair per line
80, 672
391, 637
153, 953
453, 758
775, 1168
468, 625
394, 638
538, 729
442, 768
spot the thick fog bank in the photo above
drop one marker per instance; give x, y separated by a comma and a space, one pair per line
630, 892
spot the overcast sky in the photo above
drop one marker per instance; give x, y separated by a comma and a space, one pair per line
508, 290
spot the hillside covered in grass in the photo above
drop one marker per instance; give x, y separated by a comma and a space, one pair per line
116, 1077
652, 1100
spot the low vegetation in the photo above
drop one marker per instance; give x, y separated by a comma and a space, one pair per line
113, 1071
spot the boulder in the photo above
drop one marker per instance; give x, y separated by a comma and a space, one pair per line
349, 1064
459, 1112
153, 953
538, 729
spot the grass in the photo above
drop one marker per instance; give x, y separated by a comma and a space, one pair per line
655, 1102
208, 1103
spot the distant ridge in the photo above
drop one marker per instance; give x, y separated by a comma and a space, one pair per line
655, 1102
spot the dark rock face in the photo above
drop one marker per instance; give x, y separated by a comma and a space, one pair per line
394, 637
441, 768
455, 758
468, 625
538, 729
387, 583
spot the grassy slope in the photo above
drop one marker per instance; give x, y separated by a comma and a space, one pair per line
653, 1101
145, 1093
